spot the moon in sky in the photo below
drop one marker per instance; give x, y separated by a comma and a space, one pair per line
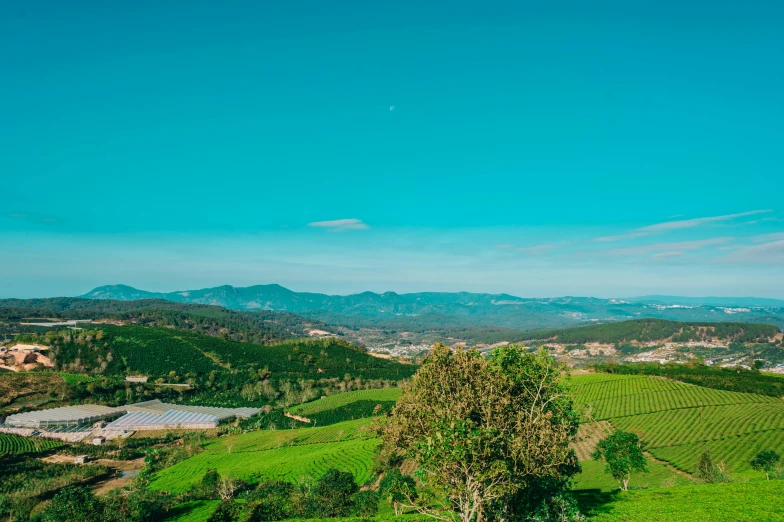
391, 107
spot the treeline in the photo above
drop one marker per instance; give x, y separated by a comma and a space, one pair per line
730, 379
259, 327
644, 330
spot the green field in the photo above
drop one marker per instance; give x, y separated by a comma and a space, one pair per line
282, 454
343, 399
677, 422
16, 445
753, 501
194, 511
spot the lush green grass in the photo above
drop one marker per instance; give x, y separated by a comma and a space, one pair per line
593, 477
343, 399
16, 445
74, 378
734, 502
282, 454
195, 511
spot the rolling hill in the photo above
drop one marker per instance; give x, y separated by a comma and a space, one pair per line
448, 310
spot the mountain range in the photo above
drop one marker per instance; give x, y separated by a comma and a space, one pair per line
462, 308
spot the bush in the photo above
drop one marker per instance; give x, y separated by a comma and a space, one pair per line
365, 503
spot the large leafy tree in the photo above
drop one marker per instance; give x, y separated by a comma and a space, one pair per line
483, 430
622, 451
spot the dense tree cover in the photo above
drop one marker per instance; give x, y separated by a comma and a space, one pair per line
491, 436
219, 372
335, 494
730, 379
656, 330
622, 451
260, 327
23, 476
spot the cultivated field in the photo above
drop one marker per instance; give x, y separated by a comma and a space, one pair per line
677, 422
281, 454
16, 445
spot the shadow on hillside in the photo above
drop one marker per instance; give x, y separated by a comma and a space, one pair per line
594, 501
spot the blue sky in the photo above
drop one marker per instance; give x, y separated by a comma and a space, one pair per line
607, 149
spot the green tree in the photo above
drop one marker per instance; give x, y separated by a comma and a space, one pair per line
766, 460
365, 503
482, 430
397, 489
622, 451
73, 504
331, 495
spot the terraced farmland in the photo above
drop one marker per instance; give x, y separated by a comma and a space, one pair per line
342, 399
16, 445
283, 454
677, 421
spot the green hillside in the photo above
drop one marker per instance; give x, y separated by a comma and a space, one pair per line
657, 330
676, 422
280, 454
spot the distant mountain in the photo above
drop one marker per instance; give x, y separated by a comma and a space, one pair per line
439, 309
747, 302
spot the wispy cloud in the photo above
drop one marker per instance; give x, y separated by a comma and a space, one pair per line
667, 255
340, 225
772, 252
538, 249
678, 247
678, 225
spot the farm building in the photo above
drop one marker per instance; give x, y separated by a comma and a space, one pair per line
65, 416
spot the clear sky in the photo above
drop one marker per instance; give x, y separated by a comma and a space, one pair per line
581, 148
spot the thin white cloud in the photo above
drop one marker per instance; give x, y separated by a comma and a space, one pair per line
667, 255
340, 225
538, 249
772, 252
678, 225
671, 247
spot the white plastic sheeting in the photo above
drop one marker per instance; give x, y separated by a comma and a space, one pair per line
172, 419
64, 416
159, 408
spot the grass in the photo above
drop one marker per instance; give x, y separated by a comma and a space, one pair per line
593, 477
338, 400
283, 454
195, 511
734, 502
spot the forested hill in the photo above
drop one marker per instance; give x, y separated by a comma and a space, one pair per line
216, 369
457, 309
257, 326
645, 330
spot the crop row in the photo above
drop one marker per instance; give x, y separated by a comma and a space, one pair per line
736, 451
643, 395
287, 463
689, 425
16, 445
